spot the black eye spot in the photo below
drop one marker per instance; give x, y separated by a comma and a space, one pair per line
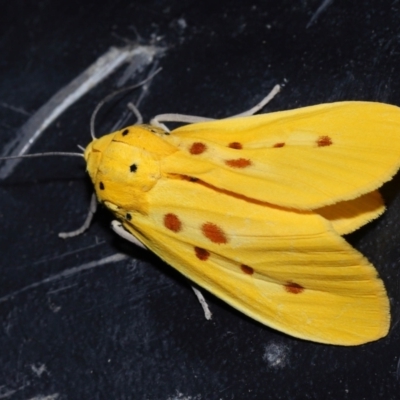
133, 168
128, 217
101, 186
125, 132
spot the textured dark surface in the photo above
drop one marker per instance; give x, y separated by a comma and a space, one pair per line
133, 329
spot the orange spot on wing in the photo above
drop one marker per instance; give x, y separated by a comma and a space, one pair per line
201, 254
276, 145
235, 145
323, 141
214, 233
247, 270
295, 288
172, 222
238, 163
197, 148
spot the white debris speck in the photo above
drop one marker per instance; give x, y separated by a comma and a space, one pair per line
181, 396
38, 370
276, 355
182, 23
49, 397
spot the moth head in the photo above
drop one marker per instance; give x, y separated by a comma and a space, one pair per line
124, 166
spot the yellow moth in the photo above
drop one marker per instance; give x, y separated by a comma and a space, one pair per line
253, 209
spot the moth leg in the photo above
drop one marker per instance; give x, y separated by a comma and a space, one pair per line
86, 224
136, 112
203, 303
191, 119
119, 230
275, 90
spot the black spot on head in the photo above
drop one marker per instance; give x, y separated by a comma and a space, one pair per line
133, 168
128, 217
101, 186
125, 132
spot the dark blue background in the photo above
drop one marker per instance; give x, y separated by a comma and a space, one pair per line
133, 329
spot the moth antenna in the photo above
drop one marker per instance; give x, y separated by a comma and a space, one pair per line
116, 93
142, 93
47, 154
